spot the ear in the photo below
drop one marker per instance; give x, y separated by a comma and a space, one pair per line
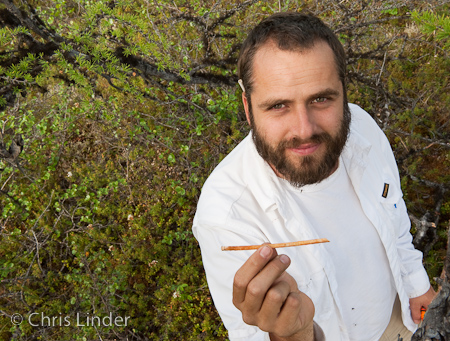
247, 112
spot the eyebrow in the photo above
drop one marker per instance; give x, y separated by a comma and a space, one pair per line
328, 92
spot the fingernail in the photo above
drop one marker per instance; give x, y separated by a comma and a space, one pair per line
265, 251
284, 259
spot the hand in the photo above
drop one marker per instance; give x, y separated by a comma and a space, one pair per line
268, 297
418, 302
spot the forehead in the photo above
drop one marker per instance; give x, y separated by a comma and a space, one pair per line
281, 70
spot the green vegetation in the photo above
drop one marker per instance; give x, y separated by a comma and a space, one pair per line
125, 107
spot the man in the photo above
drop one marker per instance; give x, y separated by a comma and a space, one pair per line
313, 166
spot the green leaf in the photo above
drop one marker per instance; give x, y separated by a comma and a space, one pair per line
171, 158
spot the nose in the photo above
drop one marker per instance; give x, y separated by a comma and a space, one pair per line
303, 123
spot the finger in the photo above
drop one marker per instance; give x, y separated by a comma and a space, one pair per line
296, 313
261, 284
416, 313
272, 304
289, 279
256, 262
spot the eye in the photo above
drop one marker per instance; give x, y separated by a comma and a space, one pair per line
278, 106
319, 100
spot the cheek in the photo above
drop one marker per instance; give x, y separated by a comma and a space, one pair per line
330, 122
273, 131
337, 124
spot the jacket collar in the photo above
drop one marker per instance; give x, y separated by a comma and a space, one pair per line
266, 185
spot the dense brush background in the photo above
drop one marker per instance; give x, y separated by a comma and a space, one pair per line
121, 109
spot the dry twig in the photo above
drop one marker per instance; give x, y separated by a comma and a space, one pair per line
274, 246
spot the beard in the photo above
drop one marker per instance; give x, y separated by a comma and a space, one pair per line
309, 169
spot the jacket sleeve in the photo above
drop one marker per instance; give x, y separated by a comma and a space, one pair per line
414, 276
220, 268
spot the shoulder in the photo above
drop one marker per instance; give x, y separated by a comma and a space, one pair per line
362, 121
368, 145
365, 127
225, 186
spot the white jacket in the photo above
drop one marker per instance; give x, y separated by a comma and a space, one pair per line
243, 203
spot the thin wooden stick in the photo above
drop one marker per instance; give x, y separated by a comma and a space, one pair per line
274, 246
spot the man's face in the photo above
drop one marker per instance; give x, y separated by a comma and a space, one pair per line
298, 121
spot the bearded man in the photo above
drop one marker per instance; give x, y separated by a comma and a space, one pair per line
313, 166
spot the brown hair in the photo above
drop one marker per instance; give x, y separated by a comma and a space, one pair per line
293, 32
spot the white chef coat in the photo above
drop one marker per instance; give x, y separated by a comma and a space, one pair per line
244, 203
333, 208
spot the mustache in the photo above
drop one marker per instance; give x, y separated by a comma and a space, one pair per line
297, 142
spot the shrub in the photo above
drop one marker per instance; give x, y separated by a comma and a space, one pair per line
126, 107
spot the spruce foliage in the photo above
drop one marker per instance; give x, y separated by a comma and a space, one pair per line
121, 109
